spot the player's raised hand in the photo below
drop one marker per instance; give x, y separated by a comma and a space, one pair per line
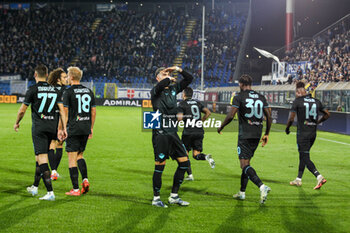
16, 127
264, 140
172, 69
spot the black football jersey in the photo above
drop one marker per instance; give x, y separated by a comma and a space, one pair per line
250, 106
165, 102
43, 99
191, 110
307, 110
79, 100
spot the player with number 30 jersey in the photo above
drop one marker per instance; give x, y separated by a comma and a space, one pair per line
251, 107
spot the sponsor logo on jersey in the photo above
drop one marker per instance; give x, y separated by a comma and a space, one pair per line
79, 118
42, 116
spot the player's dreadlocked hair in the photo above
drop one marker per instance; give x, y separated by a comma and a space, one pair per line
188, 92
54, 76
300, 84
246, 80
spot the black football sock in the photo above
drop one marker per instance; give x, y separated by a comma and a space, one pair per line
157, 179
250, 172
51, 155
45, 172
74, 175
189, 170
301, 166
179, 175
244, 181
37, 175
58, 157
200, 156
82, 168
309, 164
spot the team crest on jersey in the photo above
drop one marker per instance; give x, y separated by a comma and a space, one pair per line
173, 92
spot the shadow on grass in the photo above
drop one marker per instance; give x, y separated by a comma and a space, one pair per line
129, 219
121, 197
11, 217
17, 171
235, 222
303, 219
148, 173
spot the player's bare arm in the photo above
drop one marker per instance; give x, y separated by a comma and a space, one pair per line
93, 117
21, 112
265, 138
206, 112
290, 122
229, 117
326, 115
172, 69
62, 127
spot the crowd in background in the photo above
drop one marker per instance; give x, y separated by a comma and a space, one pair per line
329, 55
124, 45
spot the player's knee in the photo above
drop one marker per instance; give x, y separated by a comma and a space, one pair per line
184, 165
160, 163
304, 155
245, 168
159, 168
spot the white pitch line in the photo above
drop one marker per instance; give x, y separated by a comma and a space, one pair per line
324, 139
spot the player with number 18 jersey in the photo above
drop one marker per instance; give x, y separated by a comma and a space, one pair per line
79, 104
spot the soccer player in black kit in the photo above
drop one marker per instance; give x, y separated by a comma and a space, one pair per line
58, 79
251, 107
192, 136
80, 109
44, 99
165, 140
307, 110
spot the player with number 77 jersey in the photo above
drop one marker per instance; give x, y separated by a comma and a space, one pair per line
80, 110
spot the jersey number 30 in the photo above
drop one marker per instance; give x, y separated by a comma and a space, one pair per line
256, 108
83, 102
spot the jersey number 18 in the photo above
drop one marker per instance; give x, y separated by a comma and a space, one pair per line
83, 102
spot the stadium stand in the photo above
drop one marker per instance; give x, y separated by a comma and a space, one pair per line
122, 47
329, 55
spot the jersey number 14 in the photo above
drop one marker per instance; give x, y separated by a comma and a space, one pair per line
310, 111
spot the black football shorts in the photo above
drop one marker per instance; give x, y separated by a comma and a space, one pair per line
193, 142
247, 147
305, 144
41, 141
167, 145
76, 143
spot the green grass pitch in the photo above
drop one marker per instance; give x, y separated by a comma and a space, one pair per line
120, 167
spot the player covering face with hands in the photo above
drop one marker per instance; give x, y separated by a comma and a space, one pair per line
166, 143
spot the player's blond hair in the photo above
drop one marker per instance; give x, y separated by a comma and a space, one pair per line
75, 72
